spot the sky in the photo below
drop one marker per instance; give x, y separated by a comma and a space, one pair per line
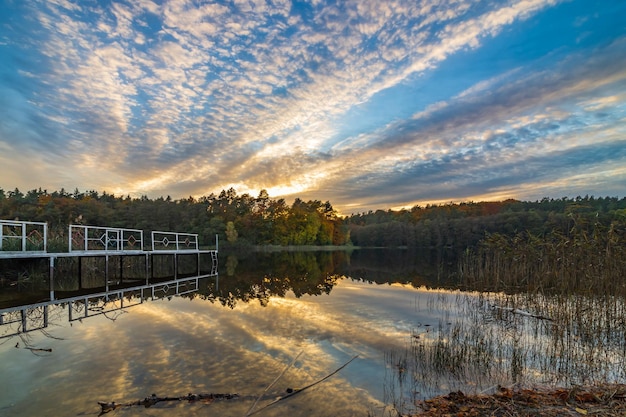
367, 104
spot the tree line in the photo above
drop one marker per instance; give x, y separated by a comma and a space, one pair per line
464, 225
238, 220
241, 220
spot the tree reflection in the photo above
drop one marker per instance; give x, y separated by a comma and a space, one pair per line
247, 277
262, 276
258, 276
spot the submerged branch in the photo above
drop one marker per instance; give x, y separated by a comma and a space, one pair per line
34, 350
273, 382
106, 407
298, 391
522, 313
154, 399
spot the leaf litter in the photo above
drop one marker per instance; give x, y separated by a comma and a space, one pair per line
602, 400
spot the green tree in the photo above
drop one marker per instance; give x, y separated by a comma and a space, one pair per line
231, 232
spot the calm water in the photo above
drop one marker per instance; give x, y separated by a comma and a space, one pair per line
235, 334
413, 335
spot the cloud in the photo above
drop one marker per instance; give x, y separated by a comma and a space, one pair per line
193, 98
520, 131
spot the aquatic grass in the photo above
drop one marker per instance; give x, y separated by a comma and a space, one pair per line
584, 261
547, 310
489, 344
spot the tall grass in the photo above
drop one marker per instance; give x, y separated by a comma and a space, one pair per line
586, 260
545, 310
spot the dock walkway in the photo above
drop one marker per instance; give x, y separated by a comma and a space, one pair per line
29, 240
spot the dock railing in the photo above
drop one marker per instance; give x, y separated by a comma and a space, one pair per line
104, 239
27, 318
173, 241
28, 239
23, 237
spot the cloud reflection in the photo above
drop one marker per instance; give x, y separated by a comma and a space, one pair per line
179, 346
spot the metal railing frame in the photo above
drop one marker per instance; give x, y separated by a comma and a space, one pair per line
119, 238
179, 239
23, 236
100, 303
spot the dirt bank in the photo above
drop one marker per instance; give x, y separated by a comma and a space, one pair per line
604, 400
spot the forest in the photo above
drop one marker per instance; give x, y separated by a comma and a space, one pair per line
244, 220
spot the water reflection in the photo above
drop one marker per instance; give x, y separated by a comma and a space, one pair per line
414, 336
250, 276
259, 275
24, 319
133, 342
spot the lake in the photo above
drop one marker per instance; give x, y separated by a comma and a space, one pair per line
292, 316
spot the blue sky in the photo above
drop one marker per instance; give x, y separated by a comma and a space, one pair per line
368, 104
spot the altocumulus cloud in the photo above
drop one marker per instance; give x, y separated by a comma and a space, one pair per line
367, 104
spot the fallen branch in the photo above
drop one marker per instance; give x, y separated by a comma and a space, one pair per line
106, 407
299, 390
522, 313
154, 399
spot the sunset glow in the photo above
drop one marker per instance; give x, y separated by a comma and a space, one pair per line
367, 104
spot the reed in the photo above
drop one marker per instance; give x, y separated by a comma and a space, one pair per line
545, 310
589, 260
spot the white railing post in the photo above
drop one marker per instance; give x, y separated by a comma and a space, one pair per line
23, 237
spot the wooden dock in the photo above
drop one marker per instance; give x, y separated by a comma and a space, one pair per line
29, 240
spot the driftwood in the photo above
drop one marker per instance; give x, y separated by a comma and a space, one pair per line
106, 407
154, 399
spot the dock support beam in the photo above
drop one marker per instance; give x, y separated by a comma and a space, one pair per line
106, 273
147, 269
51, 276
